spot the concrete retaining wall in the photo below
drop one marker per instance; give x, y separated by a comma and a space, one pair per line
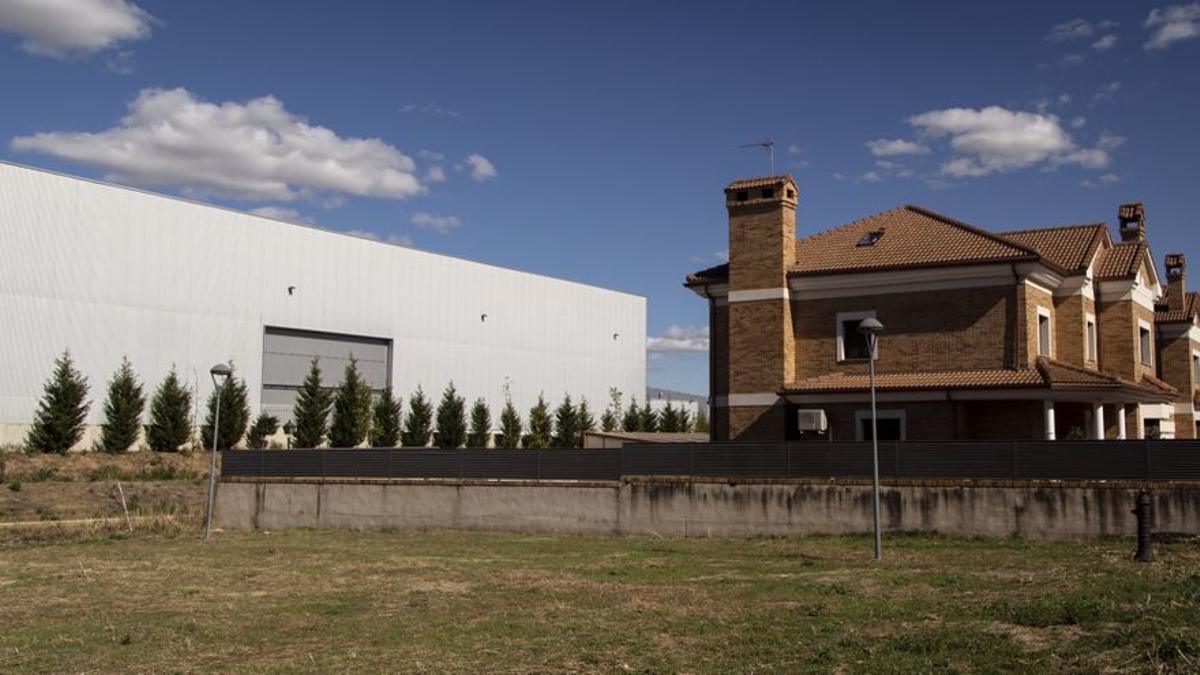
688, 507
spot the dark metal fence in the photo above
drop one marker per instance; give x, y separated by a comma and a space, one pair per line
1021, 460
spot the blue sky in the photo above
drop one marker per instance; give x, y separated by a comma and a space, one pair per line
592, 141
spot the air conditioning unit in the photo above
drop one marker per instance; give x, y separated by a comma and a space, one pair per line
812, 421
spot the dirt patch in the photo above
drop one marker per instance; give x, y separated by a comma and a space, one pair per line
92, 466
1033, 639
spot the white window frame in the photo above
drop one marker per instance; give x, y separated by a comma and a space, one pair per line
861, 416
1091, 351
1143, 325
1045, 312
842, 318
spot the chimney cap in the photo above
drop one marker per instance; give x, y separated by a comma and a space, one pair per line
759, 191
1175, 263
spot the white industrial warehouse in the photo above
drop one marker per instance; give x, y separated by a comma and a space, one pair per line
107, 271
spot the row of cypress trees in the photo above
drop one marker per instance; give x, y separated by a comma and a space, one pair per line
343, 417
346, 416
60, 421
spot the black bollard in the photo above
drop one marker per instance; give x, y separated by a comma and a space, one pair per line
1144, 524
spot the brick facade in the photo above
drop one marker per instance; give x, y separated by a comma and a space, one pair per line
964, 329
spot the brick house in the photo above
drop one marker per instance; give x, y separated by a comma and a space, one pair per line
1057, 332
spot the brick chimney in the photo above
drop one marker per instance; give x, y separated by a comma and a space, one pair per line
762, 249
1176, 281
1132, 219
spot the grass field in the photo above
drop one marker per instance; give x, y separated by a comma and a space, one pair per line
452, 601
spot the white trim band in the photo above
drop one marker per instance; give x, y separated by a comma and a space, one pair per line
759, 294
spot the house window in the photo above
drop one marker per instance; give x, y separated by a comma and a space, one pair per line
1195, 367
1044, 341
851, 344
1089, 342
892, 426
1144, 346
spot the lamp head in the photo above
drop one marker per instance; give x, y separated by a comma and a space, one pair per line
288, 427
870, 326
220, 374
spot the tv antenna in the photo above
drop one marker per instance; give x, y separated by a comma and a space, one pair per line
769, 145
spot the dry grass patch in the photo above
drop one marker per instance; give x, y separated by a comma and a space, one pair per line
471, 602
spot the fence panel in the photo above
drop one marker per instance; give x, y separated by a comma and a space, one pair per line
1024, 460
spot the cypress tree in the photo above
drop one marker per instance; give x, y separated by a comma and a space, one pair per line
510, 425
235, 415
669, 419
351, 409
685, 420
647, 418
170, 425
564, 424
584, 421
59, 422
481, 425
539, 425
701, 421
631, 421
311, 411
451, 420
264, 426
122, 410
385, 427
419, 422
611, 418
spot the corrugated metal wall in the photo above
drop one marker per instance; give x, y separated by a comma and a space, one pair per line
107, 271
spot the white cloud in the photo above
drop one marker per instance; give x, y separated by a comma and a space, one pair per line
1077, 29
1106, 92
439, 224
1078, 121
1064, 99
1105, 43
884, 147
481, 168
255, 150
1173, 24
281, 213
1106, 179
1070, 60
435, 174
998, 140
722, 255
794, 149
679, 340
64, 28
870, 177
839, 176
431, 109
399, 239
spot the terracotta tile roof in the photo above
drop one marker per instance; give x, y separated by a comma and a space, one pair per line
759, 182
963, 379
710, 275
1164, 314
1071, 247
1047, 374
1059, 375
911, 237
1120, 261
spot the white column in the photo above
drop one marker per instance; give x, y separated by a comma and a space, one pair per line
1098, 418
1049, 415
1121, 422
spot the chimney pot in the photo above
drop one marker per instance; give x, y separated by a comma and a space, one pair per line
1176, 266
1132, 219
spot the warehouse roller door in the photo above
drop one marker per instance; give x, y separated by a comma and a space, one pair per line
288, 352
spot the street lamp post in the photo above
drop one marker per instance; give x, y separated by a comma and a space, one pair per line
289, 427
220, 376
871, 328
